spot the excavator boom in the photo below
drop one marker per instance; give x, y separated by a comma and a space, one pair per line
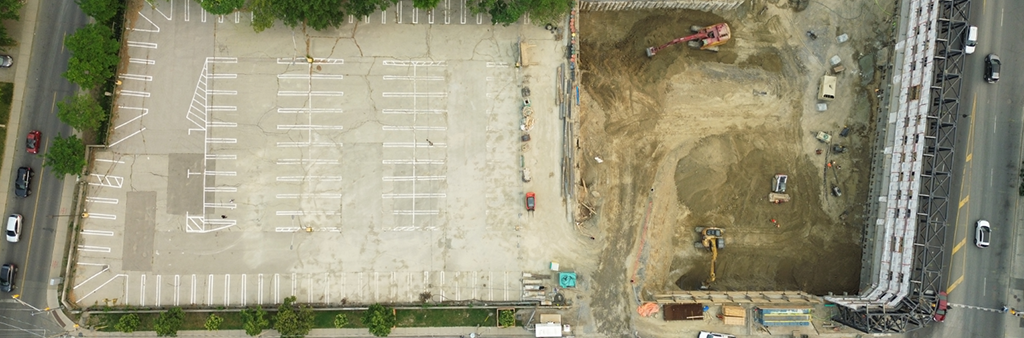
708, 38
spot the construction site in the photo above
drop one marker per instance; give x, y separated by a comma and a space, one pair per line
736, 165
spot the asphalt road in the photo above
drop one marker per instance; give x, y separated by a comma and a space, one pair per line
32, 254
980, 281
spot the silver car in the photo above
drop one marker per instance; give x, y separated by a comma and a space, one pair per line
13, 228
6, 61
982, 234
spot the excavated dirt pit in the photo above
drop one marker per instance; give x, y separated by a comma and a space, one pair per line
693, 138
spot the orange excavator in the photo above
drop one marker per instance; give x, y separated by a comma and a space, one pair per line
707, 38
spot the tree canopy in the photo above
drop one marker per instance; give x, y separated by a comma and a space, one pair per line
292, 320
127, 323
221, 7
168, 323
81, 112
101, 10
254, 320
379, 320
66, 156
93, 55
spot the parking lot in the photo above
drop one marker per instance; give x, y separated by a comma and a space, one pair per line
376, 162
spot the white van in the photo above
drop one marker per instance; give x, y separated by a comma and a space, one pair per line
970, 39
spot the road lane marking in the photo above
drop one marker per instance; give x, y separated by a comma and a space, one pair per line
955, 284
35, 211
959, 246
964, 200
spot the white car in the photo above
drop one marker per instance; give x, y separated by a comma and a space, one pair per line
13, 228
705, 334
982, 234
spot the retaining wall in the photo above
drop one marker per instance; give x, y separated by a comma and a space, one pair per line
701, 5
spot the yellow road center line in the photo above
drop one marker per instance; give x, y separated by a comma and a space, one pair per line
964, 201
955, 284
959, 246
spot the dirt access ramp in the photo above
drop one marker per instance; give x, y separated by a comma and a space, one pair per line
692, 138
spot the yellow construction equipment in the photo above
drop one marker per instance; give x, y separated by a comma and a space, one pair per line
711, 239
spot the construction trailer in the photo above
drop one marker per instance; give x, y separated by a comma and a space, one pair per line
783, 316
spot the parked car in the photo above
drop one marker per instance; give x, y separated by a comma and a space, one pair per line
705, 334
941, 307
982, 234
992, 65
7, 272
32, 144
6, 61
22, 181
531, 201
13, 228
970, 39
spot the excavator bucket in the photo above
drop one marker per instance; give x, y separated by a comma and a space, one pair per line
650, 52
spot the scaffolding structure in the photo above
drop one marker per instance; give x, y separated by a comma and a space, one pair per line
921, 134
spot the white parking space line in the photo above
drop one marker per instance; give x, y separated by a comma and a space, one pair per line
309, 178
321, 195
309, 93
104, 200
93, 215
108, 161
243, 291
220, 205
415, 212
413, 78
142, 112
221, 108
415, 94
412, 128
107, 180
142, 293
209, 290
219, 124
105, 269
310, 76
227, 289
292, 61
134, 93
310, 110
414, 111
102, 285
294, 281
136, 77
91, 248
447, 9
222, 59
98, 233
219, 189
158, 285
277, 286
221, 157
127, 137
259, 285
416, 195
177, 289
220, 173
308, 127
414, 63
289, 161
414, 145
413, 162
192, 299
91, 264
221, 140
141, 61
166, 16
497, 65
307, 213
140, 44
413, 178
327, 288
307, 144
222, 92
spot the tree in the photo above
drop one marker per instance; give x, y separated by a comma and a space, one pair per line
254, 320
66, 156
379, 320
213, 322
262, 14
127, 323
101, 10
81, 112
315, 14
93, 55
9, 9
363, 8
168, 324
504, 12
548, 11
221, 7
340, 321
292, 320
425, 4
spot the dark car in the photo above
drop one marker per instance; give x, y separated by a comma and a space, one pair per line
992, 65
531, 201
7, 277
22, 181
941, 307
32, 143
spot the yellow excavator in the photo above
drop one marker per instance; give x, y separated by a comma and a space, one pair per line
711, 239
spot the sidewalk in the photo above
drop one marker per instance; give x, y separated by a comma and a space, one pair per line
452, 332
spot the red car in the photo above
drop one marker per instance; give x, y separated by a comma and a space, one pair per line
531, 201
34, 139
940, 309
